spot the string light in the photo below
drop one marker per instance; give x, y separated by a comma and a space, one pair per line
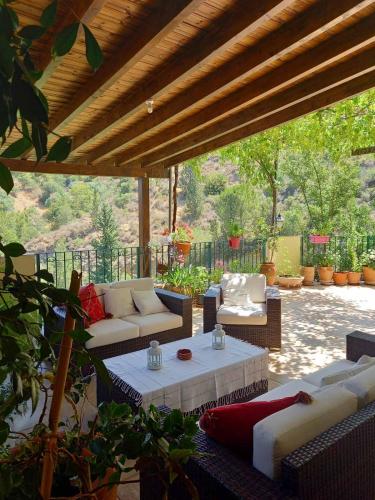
150, 105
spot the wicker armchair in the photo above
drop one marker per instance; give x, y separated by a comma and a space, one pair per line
268, 335
339, 464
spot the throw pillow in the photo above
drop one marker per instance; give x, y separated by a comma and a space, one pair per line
147, 302
232, 425
91, 304
119, 302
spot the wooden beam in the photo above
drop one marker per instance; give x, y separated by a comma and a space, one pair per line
82, 169
322, 15
229, 29
83, 10
144, 225
322, 100
334, 48
357, 65
163, 19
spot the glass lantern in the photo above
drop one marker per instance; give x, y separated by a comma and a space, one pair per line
154, 356
218, 337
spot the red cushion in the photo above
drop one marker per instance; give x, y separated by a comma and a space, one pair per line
91, 304
232, 425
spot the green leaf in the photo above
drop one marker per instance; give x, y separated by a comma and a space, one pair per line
65, 40
6, 179
30, 102
32, 32
101, 370
7, 54
45, 275
39, 138
25, 129
80, 336
14, 249
4, 431
94, 53
17, 148
48, 16
60, 150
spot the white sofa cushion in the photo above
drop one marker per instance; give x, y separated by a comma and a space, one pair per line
119, 302
111, 331
339, 370
332, 369
100, 289
281, 433
289, 389
363, 386
155, 323
137, 284
254, 314
240, 284
147, 302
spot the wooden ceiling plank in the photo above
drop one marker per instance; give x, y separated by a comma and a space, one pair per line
226, 32
338, 46
320, 101
163, 19
350, 68
82, 169
305, 26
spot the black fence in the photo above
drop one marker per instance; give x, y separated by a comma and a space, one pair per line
127, 263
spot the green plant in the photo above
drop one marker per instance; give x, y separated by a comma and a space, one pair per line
182, 234
236, 266
215, 184
191, 280
325, 259
343, 260
235, 230
368, 259
216, 275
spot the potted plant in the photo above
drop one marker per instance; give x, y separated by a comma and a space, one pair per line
354, 275
308, 269
288, 279
268, 268
325, 267
320, 234
340, 275
182, 238
368, 266
235, 233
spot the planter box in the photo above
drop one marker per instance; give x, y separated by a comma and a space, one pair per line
318, 239
290, 282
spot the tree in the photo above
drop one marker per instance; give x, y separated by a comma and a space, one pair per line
107, 241
82, 196
59, 210
192, 191
215, 184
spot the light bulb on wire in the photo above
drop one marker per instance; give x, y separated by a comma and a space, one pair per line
150, 105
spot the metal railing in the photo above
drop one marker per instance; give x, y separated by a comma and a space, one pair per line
127, 263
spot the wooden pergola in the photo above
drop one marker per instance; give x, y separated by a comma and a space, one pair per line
216, 70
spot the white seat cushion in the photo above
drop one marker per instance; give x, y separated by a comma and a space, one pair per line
289, 389
363, 386
283, 432
240, 284
111, 331
137, 284
332, 369
254, 314
119, 302
155, 323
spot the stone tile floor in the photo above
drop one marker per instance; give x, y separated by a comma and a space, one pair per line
315, 321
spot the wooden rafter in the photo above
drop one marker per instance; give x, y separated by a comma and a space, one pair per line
359, 35
351, 68
321, 15
165, 17
322, 100
226, 32
82, 169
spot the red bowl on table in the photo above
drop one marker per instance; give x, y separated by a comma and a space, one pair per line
184, 354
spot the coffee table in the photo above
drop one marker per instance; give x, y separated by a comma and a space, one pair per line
211, 378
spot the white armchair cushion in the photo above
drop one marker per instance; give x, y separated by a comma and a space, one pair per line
363, 386
254, 314
155, 323
119, 302
111, 331
283, 432
148, 302
240, 284
137, 284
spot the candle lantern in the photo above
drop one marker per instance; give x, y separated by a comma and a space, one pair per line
218, 337
154, 356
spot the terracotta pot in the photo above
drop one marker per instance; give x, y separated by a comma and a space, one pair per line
340, 278
354, 278
183, 247
105, 493
290, 282
325, 275
234, 242
369, 275
269, 270
308, 275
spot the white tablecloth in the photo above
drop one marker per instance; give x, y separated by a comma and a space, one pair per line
210, 374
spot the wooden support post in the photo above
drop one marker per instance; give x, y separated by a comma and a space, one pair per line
170, 199
144, 224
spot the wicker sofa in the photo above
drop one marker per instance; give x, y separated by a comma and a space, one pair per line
262, 326
338, 464
135, 331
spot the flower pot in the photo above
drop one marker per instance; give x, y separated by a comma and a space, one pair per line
308, 275
234, 242
183, 247
325, 275
105, 493
369, 275
319, 239
290, 282
354, 278
340, 278
269, 270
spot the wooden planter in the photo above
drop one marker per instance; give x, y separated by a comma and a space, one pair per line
354, 278
369, 275
290, 282
183, 247
325, 275
308, 275
269, 270
340, 278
